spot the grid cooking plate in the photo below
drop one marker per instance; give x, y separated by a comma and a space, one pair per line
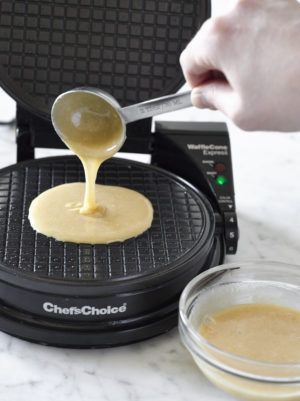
130, 48
180, 218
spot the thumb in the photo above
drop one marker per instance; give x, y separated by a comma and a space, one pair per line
216, 95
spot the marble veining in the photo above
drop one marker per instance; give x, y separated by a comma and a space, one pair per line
266, 172
267, 176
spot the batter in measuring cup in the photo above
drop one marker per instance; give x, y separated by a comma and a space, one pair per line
90, 213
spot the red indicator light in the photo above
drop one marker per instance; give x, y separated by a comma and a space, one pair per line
219, 167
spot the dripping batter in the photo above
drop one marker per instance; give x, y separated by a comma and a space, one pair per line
90, 213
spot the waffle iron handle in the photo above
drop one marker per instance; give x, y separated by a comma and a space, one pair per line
157, 106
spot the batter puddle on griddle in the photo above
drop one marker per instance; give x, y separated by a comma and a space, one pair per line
90, 213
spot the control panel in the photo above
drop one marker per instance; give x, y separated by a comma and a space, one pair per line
200, 153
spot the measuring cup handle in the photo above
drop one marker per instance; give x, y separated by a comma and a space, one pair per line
156, 106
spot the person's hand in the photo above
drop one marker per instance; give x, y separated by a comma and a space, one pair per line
247, 64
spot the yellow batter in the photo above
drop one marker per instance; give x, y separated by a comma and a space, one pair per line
262, 332
90, 213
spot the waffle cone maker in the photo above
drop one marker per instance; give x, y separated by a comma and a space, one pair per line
72, 295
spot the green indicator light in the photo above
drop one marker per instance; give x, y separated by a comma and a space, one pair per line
221, 180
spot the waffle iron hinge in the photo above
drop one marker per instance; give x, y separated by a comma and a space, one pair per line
25, 150
200, 153
34, 132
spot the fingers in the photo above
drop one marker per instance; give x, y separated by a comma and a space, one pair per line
214, 95
218, 95
207, 67
199, 57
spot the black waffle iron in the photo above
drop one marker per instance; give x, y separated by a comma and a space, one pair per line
73, 295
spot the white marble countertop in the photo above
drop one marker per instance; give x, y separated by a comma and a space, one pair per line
267, 177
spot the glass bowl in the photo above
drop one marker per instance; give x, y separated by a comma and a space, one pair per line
231, 285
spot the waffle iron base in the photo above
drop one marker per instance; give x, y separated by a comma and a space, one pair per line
84, 296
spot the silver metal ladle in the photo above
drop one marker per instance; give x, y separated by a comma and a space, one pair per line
131, 113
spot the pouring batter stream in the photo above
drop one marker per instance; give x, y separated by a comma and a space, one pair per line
90, 213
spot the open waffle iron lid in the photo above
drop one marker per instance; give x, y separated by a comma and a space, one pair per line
130, 48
